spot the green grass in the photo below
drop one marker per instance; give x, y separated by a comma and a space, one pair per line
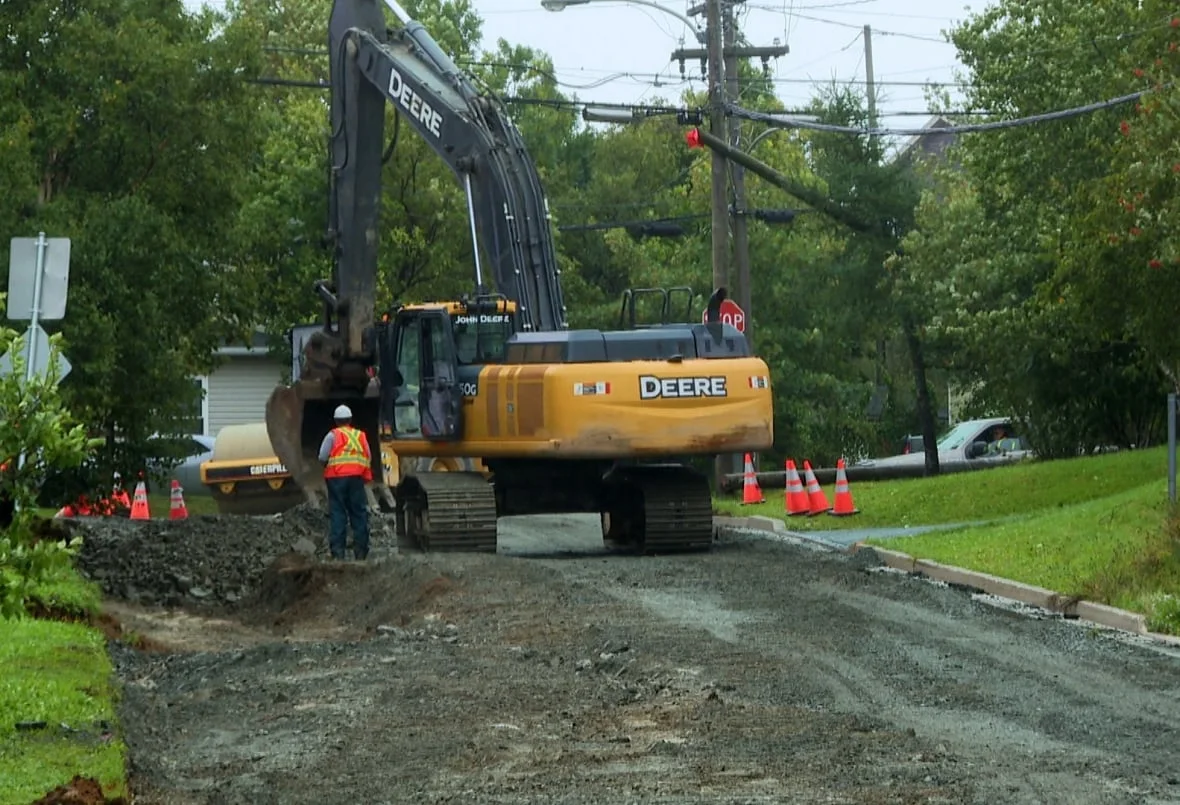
57, 673
67, 592
1097, 527
160, 505
1019, 489
1122, 550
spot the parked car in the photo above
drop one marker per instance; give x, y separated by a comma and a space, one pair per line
974, 444
912, 443
196, 450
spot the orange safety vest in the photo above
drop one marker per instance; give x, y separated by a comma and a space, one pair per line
350, 455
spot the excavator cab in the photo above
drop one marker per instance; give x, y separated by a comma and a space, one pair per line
421, 397
430, 357
657, 303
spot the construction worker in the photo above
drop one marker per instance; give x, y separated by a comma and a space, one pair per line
347, 468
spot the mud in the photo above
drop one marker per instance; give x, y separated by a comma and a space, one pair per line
79, 791
194, 562
555, 672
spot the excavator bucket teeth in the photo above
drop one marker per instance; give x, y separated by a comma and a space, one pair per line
284, 426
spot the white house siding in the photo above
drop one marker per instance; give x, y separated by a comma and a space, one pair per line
238, 390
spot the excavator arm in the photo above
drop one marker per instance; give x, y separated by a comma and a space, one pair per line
506, 206
507, 211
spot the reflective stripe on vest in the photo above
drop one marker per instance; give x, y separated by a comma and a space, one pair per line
348, 454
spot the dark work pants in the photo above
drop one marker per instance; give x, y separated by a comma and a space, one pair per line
346, 503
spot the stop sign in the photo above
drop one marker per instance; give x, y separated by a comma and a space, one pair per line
731, 314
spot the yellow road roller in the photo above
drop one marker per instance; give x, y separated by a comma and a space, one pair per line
245, 476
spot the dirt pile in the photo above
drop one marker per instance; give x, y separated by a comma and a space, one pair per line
204, 561
296, 592
79, 791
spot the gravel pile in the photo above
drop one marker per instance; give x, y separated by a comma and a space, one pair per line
207, 561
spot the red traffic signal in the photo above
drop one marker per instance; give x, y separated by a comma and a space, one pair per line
693, 138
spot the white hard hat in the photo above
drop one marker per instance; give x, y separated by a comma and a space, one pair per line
343, 412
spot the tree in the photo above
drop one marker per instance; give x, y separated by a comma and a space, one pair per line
1137, 263
1048, 340
132, 130
33, 421
877, 197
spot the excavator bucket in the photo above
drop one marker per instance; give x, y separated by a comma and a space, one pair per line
284, 426
297, 419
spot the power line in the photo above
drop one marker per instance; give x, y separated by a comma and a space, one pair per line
670, 80
642, 110
597, 226
842, 24
768, 216
837, 4
556, 103
1087, 41
967, 128
645, 78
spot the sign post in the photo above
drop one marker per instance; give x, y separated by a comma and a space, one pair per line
731, 314
38, 279
35, 313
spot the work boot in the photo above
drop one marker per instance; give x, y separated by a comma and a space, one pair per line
361, 555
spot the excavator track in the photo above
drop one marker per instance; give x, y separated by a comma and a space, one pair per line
659, 509
447, 512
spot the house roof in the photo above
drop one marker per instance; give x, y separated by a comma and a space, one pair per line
927, 145
259, 345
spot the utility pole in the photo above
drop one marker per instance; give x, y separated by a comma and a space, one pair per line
871, 101
716, 67
721, 58
870, 86
741, 242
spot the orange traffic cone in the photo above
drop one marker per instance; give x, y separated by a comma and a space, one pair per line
817, 500
139, 504
751, 492
796, 498
844, 505
177, 510
119, 496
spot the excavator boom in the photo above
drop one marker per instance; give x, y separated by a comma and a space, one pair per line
506, 205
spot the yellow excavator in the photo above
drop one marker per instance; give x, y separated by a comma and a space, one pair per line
563, 420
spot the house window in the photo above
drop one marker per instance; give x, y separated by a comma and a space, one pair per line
197, 421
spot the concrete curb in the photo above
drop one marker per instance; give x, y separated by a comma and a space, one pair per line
757, 523
1068, 606
772, 524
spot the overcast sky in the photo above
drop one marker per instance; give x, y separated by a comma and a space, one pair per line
627, 47
612, 51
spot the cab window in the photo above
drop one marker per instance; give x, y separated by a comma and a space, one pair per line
481, 338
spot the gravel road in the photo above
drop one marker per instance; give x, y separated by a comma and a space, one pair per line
554, 672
